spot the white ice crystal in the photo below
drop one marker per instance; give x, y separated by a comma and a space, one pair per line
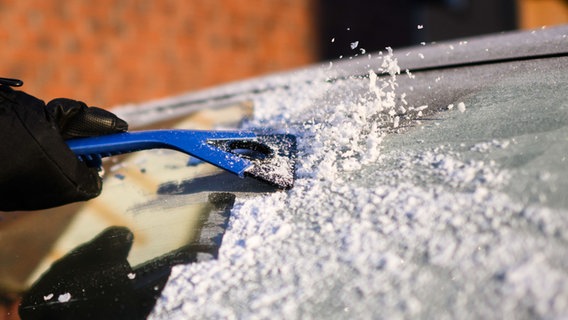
461, 107
65, 297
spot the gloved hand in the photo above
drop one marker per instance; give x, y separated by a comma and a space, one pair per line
37, 169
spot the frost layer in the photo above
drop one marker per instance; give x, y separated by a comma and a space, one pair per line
362, 236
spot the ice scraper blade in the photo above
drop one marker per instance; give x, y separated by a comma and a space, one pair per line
269, 158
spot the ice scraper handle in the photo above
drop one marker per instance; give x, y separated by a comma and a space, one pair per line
196, 143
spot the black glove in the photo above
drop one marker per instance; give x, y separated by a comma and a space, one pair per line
37, 169
75, 120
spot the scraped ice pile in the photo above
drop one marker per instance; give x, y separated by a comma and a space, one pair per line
372, 232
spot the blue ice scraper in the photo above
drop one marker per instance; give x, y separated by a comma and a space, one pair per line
269, 158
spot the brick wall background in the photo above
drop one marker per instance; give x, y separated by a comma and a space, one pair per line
109, 52
536, 13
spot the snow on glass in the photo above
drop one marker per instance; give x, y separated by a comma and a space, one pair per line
359, 235
340, 136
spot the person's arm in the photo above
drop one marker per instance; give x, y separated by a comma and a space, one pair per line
37, 169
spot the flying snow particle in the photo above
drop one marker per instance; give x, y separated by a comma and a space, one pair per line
461, 107
64, 297
419, 27
424, 107
354, 44
48, 297
396, 122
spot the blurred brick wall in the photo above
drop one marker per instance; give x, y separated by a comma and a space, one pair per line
108, 52
538, 13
